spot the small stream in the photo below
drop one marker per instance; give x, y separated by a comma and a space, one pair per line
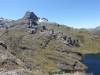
93, 63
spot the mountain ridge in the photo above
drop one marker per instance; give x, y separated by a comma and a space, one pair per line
44, 48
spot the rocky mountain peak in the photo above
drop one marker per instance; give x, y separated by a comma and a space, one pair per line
30, 15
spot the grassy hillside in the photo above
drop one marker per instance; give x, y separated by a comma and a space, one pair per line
47, 50
88, 40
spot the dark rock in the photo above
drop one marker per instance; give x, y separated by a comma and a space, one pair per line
4, 45
30, 16
28, 21
44, 28
70, 41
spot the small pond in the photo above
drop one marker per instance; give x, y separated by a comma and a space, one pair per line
93, 63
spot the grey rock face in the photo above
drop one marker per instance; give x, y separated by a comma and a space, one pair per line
29, 18
30, 15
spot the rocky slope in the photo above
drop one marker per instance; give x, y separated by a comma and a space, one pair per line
29, 47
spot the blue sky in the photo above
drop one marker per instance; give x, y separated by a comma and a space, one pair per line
74, 13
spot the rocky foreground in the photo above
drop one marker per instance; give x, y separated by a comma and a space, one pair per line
28, 47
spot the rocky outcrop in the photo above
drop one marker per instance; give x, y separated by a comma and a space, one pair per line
7, 60
67, 61
30, 18
30, 15
72, 42
10, 65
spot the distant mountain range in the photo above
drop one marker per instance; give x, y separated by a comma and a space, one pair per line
29, 18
